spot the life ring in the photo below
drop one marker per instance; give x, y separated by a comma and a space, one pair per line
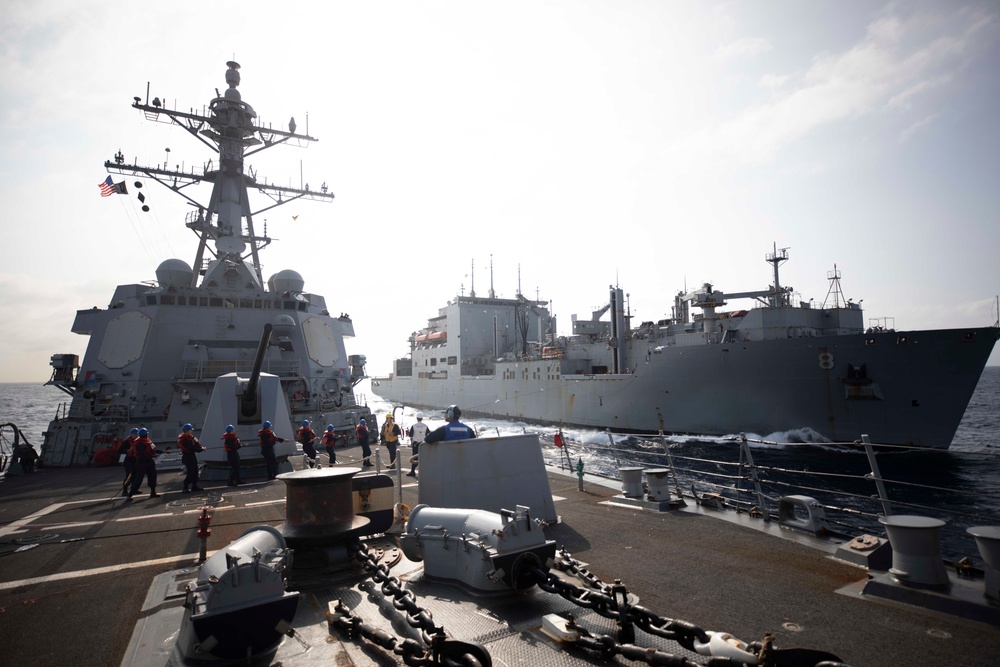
299, 396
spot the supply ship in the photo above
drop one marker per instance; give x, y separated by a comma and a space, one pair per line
157, 349
774, 367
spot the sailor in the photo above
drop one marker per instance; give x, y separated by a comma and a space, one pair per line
416, 434
306, 436
330, 438
390, 438
453, 430
361, 432
145, 465
26, 455
189, 446
128, 449
267, 440
232, 444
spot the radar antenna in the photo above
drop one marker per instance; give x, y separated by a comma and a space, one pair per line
230, 128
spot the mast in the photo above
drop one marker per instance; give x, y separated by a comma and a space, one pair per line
231, 130
776, 258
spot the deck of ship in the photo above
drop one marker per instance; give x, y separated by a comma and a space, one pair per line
78, 568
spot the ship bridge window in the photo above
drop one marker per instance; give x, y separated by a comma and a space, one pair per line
202, 300
257, 303
289, 305
182, 300
168, 300
246, 303
151, 300
215, 302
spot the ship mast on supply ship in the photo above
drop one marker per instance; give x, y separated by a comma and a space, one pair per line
231, 131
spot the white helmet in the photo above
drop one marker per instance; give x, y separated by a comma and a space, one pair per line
420, 415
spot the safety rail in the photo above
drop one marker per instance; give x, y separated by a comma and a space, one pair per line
752, 475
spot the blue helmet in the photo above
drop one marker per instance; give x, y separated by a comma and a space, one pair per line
230, 429
305, 422
134, 431
329, 427
267, 424
143, 433
187, 427
364, 423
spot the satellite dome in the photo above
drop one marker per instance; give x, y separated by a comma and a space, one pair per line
283, 325
174, 272
287, 280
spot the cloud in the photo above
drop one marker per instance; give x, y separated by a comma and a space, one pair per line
772, 81
917, 126
895, 62
744, 47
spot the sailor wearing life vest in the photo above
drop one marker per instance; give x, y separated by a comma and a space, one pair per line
232, 444
128, 449
145, 465
189, 446
361, 432
416, 433
453, 430
267, 440
306, 436
330, 438
390, 438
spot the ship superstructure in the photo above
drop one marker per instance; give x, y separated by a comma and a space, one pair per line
774, 367
155, 352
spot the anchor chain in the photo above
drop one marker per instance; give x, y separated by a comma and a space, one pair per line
611, 601
436, 649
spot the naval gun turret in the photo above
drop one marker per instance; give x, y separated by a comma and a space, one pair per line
246, 403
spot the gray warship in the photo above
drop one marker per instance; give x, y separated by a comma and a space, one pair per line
157, 350
780, 365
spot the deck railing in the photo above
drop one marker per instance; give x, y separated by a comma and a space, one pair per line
854, 483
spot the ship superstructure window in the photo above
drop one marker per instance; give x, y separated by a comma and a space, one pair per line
434, 362
452, 361
215, 302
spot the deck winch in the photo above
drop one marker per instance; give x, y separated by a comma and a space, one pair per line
483, 551
235, 607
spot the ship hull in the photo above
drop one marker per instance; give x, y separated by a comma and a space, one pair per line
898, 388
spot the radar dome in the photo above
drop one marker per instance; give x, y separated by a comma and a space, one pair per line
287, 280
174, 272
283, 325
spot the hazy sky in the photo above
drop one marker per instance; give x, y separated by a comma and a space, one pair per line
578, 143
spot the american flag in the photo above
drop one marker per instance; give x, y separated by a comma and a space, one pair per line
108, 188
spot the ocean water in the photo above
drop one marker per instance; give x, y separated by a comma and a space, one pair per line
961, 485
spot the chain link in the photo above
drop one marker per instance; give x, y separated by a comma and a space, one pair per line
436, 649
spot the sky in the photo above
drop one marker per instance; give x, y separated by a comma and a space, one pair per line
570, 144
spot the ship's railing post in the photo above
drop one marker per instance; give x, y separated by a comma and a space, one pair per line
670, 464
611, 444
745, 449
579, 474
876, 475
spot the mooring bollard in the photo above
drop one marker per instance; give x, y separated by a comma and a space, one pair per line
203, 532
